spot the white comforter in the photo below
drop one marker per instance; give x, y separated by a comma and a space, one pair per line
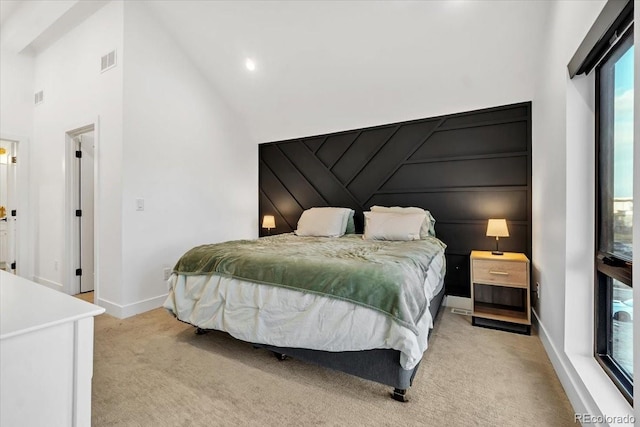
282, 317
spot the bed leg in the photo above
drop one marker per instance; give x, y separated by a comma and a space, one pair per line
200, 331
400, 394
280, 356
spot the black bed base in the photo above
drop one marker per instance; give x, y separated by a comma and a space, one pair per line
379, 365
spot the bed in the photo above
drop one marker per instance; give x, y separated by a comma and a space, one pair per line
360, 304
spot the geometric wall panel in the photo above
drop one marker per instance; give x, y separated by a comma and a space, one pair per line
464, 168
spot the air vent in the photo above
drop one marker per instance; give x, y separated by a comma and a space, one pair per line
461, 311
108, 61
38, 97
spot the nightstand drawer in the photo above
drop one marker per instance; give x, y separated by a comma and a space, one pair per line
503, 272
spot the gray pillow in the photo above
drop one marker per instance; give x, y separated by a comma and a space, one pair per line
351, 225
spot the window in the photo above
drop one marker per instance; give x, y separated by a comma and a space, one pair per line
614, 213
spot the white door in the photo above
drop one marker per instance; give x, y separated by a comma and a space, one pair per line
84, 212
8, 202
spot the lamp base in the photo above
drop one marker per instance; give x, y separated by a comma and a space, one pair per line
497, 253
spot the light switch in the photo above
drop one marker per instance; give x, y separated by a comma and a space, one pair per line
139, 204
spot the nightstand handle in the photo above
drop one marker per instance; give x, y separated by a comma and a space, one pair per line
501, 273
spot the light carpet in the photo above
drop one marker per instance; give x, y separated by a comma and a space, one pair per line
152, 370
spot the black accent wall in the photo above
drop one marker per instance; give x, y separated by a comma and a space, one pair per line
464, 168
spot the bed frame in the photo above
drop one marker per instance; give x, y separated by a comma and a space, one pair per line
379, 365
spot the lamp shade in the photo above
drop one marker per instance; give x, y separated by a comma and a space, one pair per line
497, 228
268, 221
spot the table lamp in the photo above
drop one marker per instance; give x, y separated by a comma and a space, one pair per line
268, 222
497, 228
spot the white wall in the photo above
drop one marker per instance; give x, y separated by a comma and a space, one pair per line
162, 135
184, 153
393, 61
16, 86
76, 93
563, 212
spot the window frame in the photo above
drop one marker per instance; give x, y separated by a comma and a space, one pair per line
608, 265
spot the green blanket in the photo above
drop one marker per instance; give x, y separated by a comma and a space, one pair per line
383, 275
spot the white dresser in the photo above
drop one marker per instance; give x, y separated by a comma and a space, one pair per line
46, 355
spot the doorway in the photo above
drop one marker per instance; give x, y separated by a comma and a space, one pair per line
81, 144
8, 205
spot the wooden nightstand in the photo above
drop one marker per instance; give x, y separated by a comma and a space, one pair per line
500, 291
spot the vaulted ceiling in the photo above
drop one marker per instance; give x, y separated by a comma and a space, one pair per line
353, 63
332, 65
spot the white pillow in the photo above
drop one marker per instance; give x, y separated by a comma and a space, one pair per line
392, 225
323, 222
427, 229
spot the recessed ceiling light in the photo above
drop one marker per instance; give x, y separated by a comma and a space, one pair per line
250, 64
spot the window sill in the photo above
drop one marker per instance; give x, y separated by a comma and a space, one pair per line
607, 398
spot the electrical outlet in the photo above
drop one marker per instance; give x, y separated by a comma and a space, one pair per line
55, 265
167, 273
538, 289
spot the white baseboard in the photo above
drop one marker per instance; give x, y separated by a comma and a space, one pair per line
128, 310
567, 379
49, 283
581, 395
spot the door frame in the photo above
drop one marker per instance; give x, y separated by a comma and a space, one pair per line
72, 286
23, 245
